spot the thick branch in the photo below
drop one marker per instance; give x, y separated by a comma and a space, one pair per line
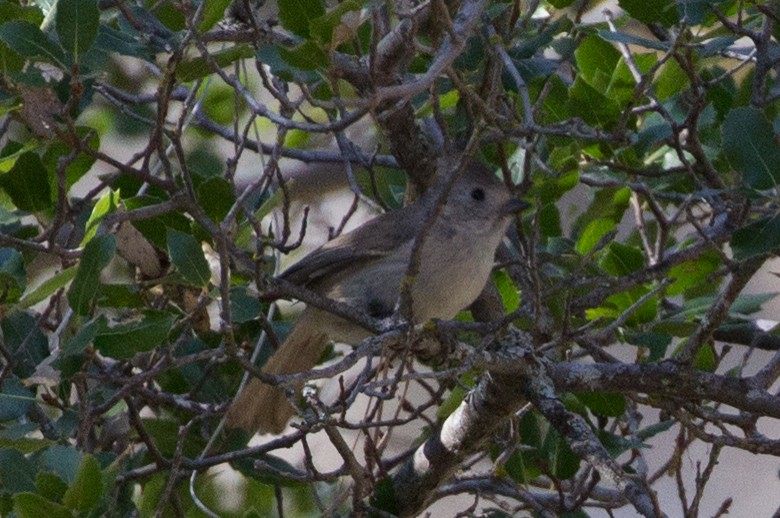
461, 435
583, 441
500, 394
668, 379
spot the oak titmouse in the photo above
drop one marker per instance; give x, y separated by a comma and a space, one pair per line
365, 268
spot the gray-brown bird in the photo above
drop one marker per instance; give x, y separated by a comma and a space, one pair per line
365, 268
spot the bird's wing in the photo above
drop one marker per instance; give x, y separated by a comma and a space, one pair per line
373, 240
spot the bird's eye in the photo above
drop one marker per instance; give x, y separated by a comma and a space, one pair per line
478, 194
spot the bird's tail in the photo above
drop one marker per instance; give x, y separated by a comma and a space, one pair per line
264, 408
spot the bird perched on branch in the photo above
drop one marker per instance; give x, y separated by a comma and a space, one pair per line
365, 268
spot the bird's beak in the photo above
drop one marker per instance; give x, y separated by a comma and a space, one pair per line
514, 206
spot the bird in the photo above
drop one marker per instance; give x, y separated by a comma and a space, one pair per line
365, 268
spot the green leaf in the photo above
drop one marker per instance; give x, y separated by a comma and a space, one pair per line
615, 305
13, 277
530, 429
195, 68
186, 254
616, 445
603, 403
48, 287
174, 18
550, 221
29, 41
27, 343
296, 15
151, 496
306, 56
523, 465
691, 275
622, 83
125, 340
152, 24
97, 254
608, 203
62, 460
596, 60
694, 12
694, 310
213, 11
11, 153
14, 11
671, 80
244, 306
31, 505
750, 146
630, 39
549, 190
165, 433
86, 334
621, 259
216, 197
518, 467
756, 238
17, 474
749, 303
15, 399
120, 296
77, 24
555, 104
706, 359
50, 486
10, 63
211, 389
663, 12
384, 497
219, 103
156, 229
656, 343
17, 436
562, 462
84, 493
111, 40
596, 229
105, 205
507, 289
27, 183
590, 103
